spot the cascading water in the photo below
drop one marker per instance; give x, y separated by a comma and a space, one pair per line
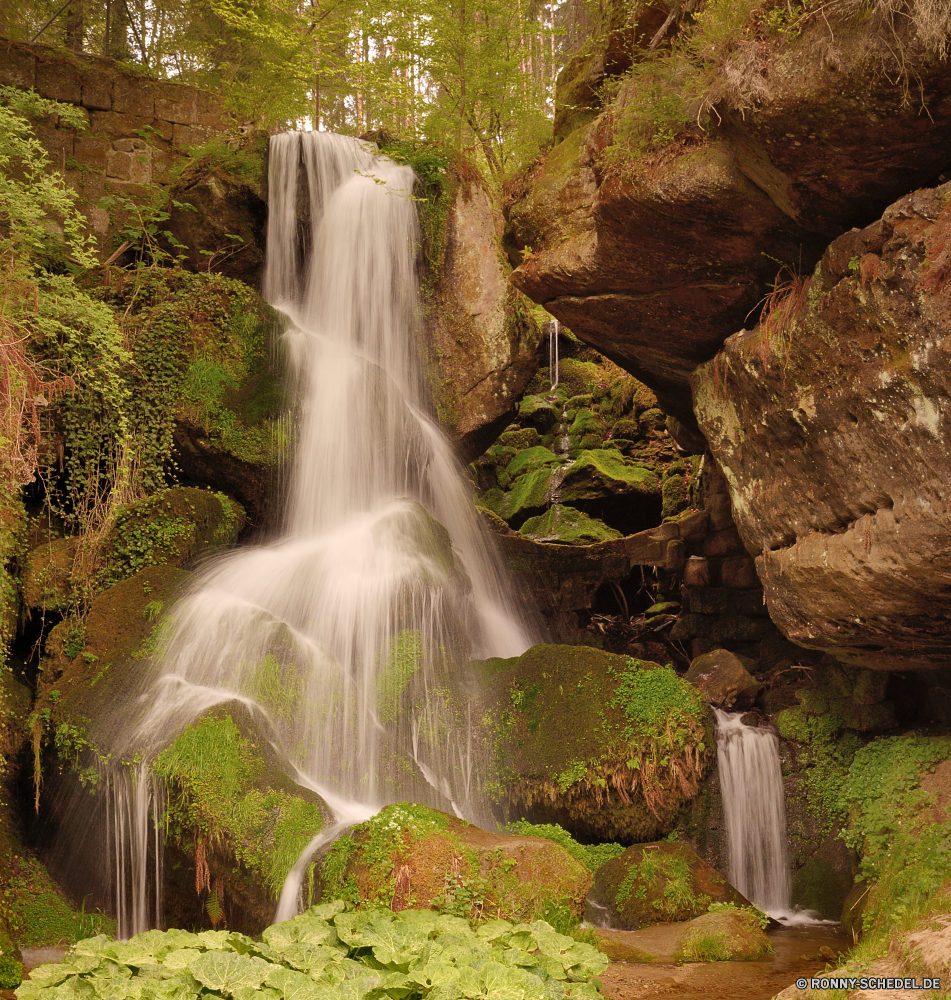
751, 784
382, 579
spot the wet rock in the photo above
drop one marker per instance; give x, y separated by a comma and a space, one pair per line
837, 464
483, 342
824, 882
659, 883
239, 821
47, 577
633, 757
724, 679
412, 856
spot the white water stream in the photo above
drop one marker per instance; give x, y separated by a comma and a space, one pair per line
754, 807
382, 580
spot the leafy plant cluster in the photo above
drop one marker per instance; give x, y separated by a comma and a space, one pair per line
758, 916
655, 870
330, 953
592, 856
890, 820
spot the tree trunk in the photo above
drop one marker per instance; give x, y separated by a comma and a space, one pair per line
75, 26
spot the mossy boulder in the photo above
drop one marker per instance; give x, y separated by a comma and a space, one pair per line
634, 754
599, 472
238, 820
410, 856
91, 664
13, 534
724, 936
724, 679
568, 526
48, 574
168, 529
658, 883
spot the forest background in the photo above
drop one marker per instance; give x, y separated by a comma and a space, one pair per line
472, 75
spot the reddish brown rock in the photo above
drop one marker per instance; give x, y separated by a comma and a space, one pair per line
831, 422
724, 680
656, 260
483, 340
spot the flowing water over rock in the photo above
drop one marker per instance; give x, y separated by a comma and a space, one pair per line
751, 783
341, 636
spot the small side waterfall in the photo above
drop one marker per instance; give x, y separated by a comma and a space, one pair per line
754, 807
342, 637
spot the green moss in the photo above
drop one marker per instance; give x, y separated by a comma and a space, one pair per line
530, 460
168, 528
411, 855
278, 687
632, 757
404, 658
38, 913
222, 792
730, 934
568, 526
13, 534
592, 856
530, 492
604, 472
11, 972
520, 439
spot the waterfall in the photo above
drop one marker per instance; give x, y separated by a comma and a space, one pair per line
553, 329
754, 807
382, 581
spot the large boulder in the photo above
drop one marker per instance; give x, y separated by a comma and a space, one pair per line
412, 856
483, 338
829, 421
724, 679
653, 230
633, 756
657, 883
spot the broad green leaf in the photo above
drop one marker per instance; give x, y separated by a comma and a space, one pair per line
309, 957
91, 946
212, 940
300, 930
183, 939
247, 993
182, 958
582, 961
226, 971
492, 930
110, 969
293, 985
150, 941
49, 974
549, 941
326, 911
128, 954
394, 943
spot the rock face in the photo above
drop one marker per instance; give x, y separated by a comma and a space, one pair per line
632, 758
657, 883
656, 257
409, 856
483, 339
724, 679
830, 422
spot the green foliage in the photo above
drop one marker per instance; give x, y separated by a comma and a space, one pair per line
37, 913
881, 794
656, 868
330, 952
704, 946
219, 791
592, 856
761, 918
11, 972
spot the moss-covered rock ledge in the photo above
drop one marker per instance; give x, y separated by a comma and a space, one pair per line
412, 856
637, 746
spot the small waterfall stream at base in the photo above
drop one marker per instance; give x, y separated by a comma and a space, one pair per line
751, 784
383, 580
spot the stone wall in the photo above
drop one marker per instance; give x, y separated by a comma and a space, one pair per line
138, 129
